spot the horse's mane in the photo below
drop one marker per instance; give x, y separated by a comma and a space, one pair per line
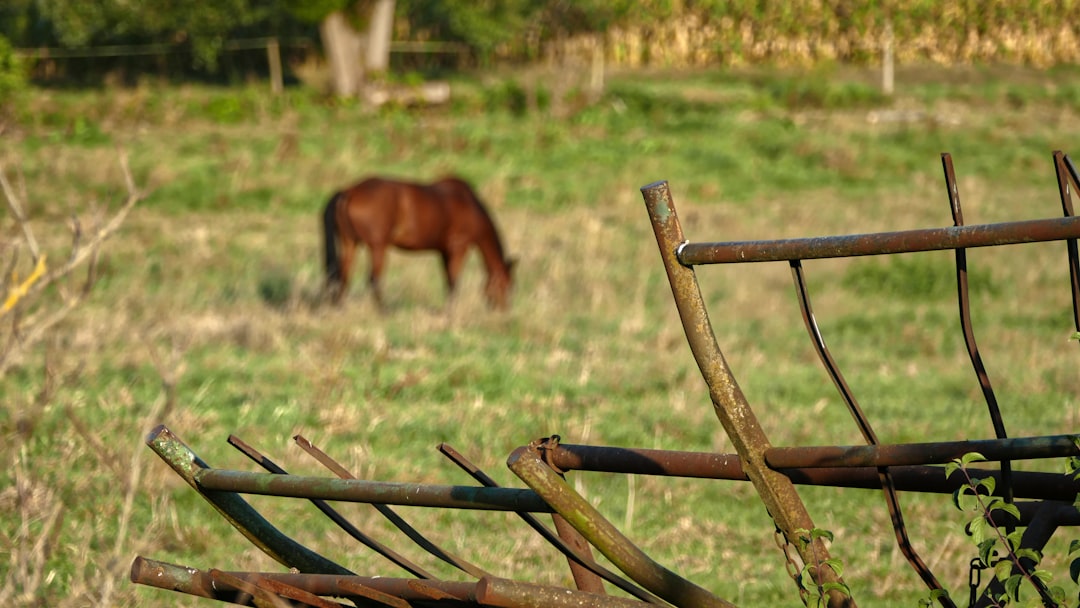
481, 207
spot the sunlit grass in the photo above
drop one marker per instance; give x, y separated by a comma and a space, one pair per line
202, 318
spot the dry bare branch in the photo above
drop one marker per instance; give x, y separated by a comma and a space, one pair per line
20, 217
27, 331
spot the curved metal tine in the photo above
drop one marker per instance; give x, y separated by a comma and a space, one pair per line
1063, 161
241, 515
334, 516
567, 550
963, 296
892, 501
392, 516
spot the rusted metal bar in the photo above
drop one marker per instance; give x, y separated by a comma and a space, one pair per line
195, 582
334, 516
527, 464
573, 546
237, 511
1064, 513
388, 493
885, 478
966, 326
710, 465
1063, 167
730, 405
269, 593
642, 461
1020, 448
364, 591
503, 593
882, 243
399, 522
374, 595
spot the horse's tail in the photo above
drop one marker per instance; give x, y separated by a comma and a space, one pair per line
333, 264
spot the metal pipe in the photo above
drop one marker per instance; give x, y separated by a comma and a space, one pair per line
729, 402
503, 593
1019, 448
163, 575
710, 465
387, 493
881, 243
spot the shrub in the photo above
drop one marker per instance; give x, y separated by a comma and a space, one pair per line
12, 74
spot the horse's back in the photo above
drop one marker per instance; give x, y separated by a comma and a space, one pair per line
468, 213
405, 214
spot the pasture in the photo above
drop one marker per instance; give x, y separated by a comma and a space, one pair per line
202, 316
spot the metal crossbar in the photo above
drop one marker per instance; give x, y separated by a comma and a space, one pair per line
579, 528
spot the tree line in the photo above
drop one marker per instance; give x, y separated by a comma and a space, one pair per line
354, 34
483, 28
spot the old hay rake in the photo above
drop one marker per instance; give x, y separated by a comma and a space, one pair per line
1044, 501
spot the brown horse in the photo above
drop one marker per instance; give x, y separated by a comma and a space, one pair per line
445, 216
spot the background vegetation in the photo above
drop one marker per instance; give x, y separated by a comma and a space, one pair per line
667, 33
202, 314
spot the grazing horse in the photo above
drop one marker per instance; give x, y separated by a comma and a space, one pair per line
445, 216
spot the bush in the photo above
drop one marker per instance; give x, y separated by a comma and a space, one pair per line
12, 74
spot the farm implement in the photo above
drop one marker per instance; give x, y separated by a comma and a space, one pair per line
1039, 502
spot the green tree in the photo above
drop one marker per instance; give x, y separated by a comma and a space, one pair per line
489, 26
12, 76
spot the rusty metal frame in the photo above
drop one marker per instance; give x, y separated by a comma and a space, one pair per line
1044, 500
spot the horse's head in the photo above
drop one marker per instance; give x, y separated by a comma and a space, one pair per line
500, 284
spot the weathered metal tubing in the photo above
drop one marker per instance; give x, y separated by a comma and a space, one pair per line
395, 557
269, 593
709, 465
375, 595
236, 510
503, 593
1021, 448
192, 581
1064, 513
729, 402
387, 493
641, 461
525, 462
399, 522
366, 591
882, 243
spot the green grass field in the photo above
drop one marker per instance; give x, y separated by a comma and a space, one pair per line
201, 318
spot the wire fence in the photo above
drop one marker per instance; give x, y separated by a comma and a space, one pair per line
47, 60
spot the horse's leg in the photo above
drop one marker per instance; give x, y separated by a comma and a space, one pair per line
346, 254
453, 261
378, 261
